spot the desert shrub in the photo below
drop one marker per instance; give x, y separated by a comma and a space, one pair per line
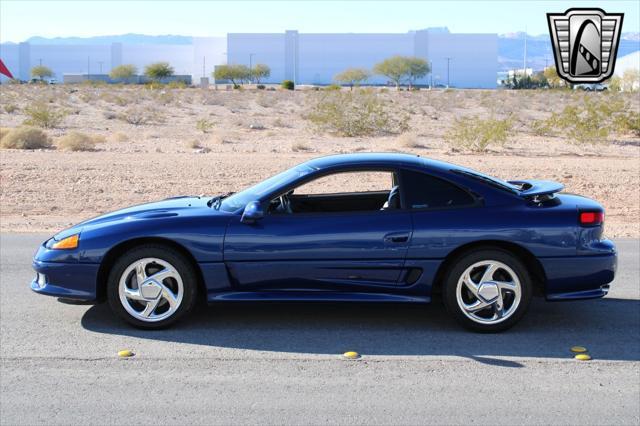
3, 132
477, 135
260, 87
10, 108
333, 87
357, 113
587, 121
298, 146
409, 140
120, 137
25, 138
194, 144
76, 141
178, 84
43, 115
288, 85
204, 125
628, 123
139, 116
278, 122
158, 70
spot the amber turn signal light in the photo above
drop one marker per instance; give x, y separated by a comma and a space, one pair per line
66, 243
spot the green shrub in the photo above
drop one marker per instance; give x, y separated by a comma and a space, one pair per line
357, 113
10, 108
178, 84
588, 121
260, 87
25, 138
628, 123
204, 125
43, 115
475, 134
288, 84
76, 141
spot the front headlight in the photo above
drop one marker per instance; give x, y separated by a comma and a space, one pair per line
68, 243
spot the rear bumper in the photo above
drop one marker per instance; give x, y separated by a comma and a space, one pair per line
68, 280
580, 277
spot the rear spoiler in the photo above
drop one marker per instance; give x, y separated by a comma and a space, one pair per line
537, 188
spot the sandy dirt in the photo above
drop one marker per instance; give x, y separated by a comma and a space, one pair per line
252, 134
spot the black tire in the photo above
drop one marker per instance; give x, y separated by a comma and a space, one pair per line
465, 261
177, 260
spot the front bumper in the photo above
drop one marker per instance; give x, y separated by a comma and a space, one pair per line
68, 280
580, 277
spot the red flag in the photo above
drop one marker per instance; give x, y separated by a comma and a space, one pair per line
4, 70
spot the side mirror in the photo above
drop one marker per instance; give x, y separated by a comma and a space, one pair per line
252, 212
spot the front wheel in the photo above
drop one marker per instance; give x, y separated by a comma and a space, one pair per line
152, 286
487, 290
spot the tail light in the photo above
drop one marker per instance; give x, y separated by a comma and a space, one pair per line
594, 218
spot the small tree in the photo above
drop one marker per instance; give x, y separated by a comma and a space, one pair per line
395, 68
236, 74
41, 72
159, 70
123, 72
260, 71
418, 68
352, 76
630, 80
553, 79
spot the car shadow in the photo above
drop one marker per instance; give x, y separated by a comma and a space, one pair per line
607, 327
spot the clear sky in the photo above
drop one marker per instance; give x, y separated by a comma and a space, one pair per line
21, 19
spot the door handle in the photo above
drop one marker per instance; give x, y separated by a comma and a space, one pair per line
397, 238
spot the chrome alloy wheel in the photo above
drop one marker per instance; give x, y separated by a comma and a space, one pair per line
488, 292
150, 289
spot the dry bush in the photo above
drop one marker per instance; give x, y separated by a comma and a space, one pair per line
120, 137
43, 115
3, 132
357, 113
76, 141
475, 134
10, 108
194, 144
139, 116
25, 138
278, 122
218, 139
409, 140
299, 146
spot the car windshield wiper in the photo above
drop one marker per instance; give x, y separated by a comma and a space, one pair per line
215, 201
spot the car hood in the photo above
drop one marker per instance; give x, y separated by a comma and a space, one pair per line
167, 208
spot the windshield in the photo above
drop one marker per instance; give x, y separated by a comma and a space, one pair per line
254, 193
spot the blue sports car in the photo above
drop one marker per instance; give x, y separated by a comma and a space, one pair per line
414, 227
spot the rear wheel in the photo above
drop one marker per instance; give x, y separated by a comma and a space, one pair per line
152, 286
487, 290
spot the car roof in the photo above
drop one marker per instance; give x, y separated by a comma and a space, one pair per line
377, 159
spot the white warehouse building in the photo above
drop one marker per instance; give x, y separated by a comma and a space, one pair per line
458, 60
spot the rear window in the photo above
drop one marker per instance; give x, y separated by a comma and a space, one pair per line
423, 191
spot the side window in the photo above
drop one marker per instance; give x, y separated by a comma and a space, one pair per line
350, 191
425, 191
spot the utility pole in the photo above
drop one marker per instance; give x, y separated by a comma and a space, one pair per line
448, 81
40, 60
524, 67
88, 68
203, 69
100, 64
431, 75
251, 61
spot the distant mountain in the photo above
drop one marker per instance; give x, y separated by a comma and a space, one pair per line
510, 46
124, 38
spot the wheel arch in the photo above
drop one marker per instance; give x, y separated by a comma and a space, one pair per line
116, 251
532, 264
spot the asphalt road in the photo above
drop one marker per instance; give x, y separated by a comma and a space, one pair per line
281, 364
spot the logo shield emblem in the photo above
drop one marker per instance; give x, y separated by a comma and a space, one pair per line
585, 43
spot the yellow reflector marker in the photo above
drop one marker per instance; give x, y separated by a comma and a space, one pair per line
583, 357
578, 349
125, 353
66, 243
351, 355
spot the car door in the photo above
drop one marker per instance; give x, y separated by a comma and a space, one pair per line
312, 250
